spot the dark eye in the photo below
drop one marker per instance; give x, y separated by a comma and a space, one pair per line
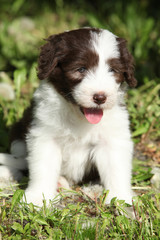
112, 70
81, 69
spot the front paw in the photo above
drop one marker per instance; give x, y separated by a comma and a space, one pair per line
127, 197
120, 206
38, 198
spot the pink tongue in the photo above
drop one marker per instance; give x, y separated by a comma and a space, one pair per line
93, 115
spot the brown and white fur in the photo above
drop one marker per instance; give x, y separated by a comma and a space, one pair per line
77, 119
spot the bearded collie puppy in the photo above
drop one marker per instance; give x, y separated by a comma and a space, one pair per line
77, 123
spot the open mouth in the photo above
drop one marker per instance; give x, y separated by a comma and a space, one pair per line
93, 115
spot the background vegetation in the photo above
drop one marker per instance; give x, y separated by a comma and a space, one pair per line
23, 26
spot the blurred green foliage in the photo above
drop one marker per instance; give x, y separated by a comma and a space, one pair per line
144, 109
137, 21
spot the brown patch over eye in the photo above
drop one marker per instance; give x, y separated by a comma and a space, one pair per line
76, 64
117, 68
66, 59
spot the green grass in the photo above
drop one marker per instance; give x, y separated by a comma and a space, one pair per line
81, 217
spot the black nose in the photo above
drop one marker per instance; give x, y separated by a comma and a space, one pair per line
99, 98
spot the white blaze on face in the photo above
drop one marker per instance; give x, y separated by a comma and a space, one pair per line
99, 79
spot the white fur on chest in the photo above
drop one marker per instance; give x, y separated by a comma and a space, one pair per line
78, 140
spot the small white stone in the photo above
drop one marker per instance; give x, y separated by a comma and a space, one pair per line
155, 180
6, 91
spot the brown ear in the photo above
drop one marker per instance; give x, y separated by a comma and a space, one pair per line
128, 62
48, 58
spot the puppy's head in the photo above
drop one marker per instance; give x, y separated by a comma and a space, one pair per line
87, 67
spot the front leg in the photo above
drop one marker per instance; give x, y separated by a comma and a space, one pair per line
114, 163
44, 161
